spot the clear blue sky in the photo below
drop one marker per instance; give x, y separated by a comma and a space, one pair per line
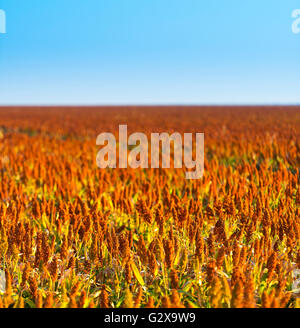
149, 52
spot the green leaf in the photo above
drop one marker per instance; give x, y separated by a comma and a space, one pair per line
137, 274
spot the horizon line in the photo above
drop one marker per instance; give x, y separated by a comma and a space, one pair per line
152, 105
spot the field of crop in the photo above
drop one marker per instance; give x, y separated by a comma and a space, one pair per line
74, 235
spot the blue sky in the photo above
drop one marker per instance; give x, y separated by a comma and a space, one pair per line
90, 52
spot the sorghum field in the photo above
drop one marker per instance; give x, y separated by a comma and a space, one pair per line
73, 235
